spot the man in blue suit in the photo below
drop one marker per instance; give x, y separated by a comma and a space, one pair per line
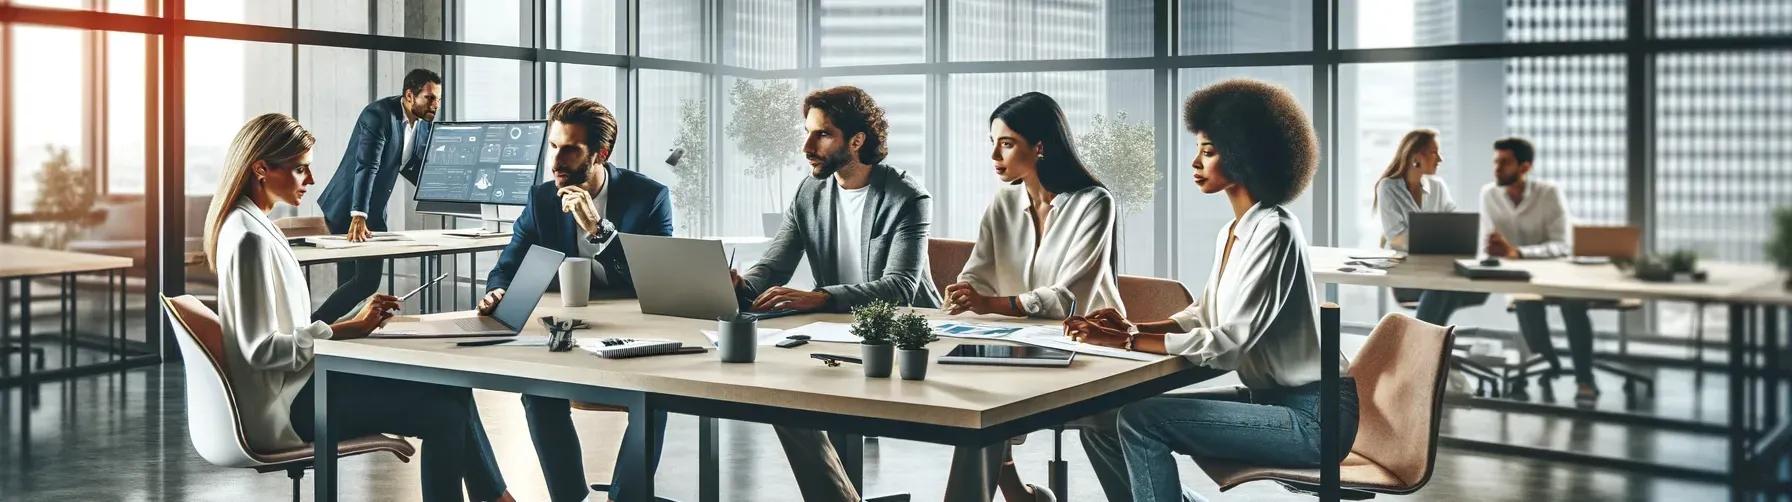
580, 213
388, 141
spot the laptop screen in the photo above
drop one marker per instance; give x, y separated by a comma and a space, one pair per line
526, 288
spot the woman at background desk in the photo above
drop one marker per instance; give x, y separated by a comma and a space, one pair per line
264, 308
1257, 314
1410, 185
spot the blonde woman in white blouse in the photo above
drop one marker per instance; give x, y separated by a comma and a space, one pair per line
264, 307
1258, 313
1410, 185
1046, 245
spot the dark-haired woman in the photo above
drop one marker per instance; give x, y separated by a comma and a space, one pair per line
1046, 247
1257, 315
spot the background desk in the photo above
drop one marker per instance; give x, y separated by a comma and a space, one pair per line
22, 265
1754, 293
429, 246
973, 406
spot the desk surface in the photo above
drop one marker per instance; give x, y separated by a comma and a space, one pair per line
1728, 282
952, 395
21, 261
420, 243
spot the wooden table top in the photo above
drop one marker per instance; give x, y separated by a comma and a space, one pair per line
1728, 282
952, 395
22, 261
420, 243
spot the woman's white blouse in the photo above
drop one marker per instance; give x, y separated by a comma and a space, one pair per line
264, 306
1071, 264
1260, 316
1394, 203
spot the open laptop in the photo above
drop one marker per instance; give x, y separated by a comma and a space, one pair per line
685, 278
532, 277
1443, 233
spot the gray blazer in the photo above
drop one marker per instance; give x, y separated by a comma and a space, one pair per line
897, 215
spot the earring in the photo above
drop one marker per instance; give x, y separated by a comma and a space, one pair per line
1041, 155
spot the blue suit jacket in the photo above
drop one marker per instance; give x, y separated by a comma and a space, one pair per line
370, 166
637, 205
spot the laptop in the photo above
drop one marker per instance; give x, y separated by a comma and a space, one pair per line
685, 278
1443, 233
538, 269
1595, 244
1008, 355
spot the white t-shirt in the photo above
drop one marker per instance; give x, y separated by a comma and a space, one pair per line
848, 220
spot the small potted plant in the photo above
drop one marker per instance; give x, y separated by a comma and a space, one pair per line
1779, 248
912, 336
873, 324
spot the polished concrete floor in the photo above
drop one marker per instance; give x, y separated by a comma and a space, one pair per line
124, 436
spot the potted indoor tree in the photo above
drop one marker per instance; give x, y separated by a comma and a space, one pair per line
912, 336
873, 324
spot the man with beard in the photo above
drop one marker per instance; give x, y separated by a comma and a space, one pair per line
863, 226
580, 213
1526, 219
388, 141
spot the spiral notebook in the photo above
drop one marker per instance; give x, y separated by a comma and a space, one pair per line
618, 348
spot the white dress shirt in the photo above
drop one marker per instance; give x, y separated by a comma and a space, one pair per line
1537, 225
590, 250
264, 307
1070, 263
1394, 203
850, 218
1259, 316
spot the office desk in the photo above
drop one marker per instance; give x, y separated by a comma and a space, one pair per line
429, 246
974, 406
21, 265
1754, 294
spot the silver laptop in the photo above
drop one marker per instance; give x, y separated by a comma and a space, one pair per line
684, 278
532, 277
1443, 233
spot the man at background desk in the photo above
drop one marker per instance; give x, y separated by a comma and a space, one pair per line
386, 142
579, 213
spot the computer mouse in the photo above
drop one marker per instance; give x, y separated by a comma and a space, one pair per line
1490, 262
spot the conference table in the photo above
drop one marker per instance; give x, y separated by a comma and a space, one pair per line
960, 405
1754, 294
25, 264
428, 246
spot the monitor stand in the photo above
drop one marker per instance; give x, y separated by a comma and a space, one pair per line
488, 227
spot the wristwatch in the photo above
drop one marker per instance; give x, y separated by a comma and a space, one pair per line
1131, 338
604, 230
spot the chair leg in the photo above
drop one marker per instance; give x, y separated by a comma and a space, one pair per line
296, 473
1058, 470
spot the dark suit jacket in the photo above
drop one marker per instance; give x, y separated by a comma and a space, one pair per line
370, 166
637, 205
897, 215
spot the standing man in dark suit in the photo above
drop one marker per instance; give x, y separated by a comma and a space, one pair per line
579, 213
388, 140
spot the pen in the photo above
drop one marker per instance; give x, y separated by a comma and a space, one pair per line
420, 287
731, 258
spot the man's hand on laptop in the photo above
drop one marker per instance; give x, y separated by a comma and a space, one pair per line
490, 301
782, 298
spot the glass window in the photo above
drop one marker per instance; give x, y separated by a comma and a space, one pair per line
489, 89
865, 32
1722, 18
113, 6
1723, 132
125, 119
673, 29
763, 153
260, 12
1007, 30
332, 92
762, 34
48, 127
675, 114
588, 26
496, 22
1118, 100
238, 81
1408, 23
1226, 26
597, 83
334, 15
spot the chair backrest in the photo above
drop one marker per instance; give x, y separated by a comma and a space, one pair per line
212, 419
302, 226
1621, 242
945, 259
1400, 376
1152, 298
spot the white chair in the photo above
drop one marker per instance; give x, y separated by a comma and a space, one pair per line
213, 420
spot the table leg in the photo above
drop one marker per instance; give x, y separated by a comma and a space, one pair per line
972, 479
638, 471
391, 270
473, 279
709, 476
74, 320
1770, 383
111, 315
324, 449
1738, 431
62, 320
25, 386
851, 449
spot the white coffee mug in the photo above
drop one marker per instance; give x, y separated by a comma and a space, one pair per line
575, 282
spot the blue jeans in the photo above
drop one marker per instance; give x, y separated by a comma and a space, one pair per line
557, 447
455, 447
1132, 449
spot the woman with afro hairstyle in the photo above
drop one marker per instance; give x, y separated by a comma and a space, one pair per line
1257, 314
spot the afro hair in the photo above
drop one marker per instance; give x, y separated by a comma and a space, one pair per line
1268, 144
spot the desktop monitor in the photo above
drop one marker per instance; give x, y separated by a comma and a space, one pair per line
494, 162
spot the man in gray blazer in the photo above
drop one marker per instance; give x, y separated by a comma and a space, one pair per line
863, 226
